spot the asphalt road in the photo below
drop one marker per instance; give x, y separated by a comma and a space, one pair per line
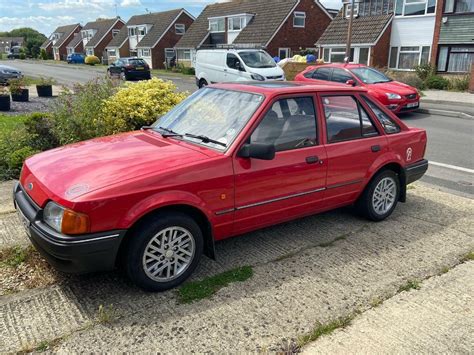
450, 140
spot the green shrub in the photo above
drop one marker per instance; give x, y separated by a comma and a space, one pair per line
424, 71
459, 83
14, 149
43, 55
92, 60
437, 82
40, 126
22, 56
188, 71
136, 105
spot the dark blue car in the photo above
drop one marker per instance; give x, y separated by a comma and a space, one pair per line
76, 58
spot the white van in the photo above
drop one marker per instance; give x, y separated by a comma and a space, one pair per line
231, 65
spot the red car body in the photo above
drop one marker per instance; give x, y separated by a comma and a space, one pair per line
118, 181
408, 100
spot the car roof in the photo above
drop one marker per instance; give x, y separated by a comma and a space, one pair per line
340, 65
285, 87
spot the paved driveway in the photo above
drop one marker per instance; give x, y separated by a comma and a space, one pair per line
312, 270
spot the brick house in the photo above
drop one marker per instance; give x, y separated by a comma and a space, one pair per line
75, 45
453, 43
282, 27
55, 45
151, 36
98, 34
6, 43
398, 34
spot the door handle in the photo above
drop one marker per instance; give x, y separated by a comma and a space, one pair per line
312, 160
375, 148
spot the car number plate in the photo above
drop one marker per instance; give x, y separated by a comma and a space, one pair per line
140, 68
24, 221
413, 104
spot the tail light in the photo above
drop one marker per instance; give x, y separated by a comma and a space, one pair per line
129, 66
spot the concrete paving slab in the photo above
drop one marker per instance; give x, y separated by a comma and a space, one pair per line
284, 298
6, 201
12, 231
438, 318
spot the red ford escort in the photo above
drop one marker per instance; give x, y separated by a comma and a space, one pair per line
396, 96
230, 159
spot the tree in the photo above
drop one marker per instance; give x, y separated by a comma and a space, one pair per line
33, 39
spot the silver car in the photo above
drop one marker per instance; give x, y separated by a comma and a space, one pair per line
7, 73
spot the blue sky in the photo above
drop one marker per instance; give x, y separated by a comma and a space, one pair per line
46, 15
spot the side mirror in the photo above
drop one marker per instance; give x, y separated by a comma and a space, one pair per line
258, 151
351, 82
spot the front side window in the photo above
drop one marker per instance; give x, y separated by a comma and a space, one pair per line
217, 25
340, 76
257, 59
232, 61
346, 119
289, 124
217, 114
388, 124
299, 19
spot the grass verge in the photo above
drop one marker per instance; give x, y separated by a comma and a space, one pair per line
197, 290
23, 268
8, 122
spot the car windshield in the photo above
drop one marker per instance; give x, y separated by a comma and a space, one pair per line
136, 62
257, 59
370, 76
215, 114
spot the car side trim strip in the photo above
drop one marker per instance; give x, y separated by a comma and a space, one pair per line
335, 186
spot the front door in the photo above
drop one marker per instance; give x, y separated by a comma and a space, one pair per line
353, 144
232, 68
293, 183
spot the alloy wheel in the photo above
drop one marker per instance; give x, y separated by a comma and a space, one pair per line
384, 195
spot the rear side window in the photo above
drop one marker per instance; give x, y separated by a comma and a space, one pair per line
346, 119
322, 74
388, 124
289, 124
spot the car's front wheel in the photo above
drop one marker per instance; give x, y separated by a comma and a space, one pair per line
202, 83
164, 251
123, 76
381, 196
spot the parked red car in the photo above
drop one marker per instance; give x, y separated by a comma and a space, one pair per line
230, 159
396, 96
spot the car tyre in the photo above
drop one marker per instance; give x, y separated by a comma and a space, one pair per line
123, 76
202, 83
380, 197
158, 246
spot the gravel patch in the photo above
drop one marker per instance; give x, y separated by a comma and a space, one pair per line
36, 104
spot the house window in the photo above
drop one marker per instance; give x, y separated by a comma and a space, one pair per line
348, 8
456, 59
337, 55
217, 25
142, 31
283, 53
458, 6
236, 23
406, 58
299, 19
115, 32
364, 55
90, 51
180, 29
112, 53
184, 54
132, 31
69, 50
169, 53
146, 52
414, 7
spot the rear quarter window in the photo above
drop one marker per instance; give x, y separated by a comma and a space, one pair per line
388, 124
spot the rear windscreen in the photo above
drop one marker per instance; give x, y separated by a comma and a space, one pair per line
136, 62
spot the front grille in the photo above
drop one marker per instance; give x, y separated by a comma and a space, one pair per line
274, 77
411, 96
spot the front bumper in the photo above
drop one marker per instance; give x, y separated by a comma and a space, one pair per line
415, 171
402, 105
71, 254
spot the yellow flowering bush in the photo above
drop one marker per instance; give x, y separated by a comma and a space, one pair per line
91, 60
137, 104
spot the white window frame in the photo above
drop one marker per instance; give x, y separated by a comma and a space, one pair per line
287, 50
415, 3
169, 50
146, 52
185, 53
242, 20
89, 51
347, 10
299, 15
399, 51
216, 21
179, 29
115, 32
112, 52
132, 31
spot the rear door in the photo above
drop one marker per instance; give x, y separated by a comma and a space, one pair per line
353, 143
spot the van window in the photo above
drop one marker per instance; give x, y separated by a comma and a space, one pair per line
232, 61
257, 59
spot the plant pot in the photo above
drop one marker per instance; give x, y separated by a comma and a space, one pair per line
21, 96
44, 90
4, 102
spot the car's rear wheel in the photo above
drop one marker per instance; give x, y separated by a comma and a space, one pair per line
381, 196
123, 76
202, 83
163, 252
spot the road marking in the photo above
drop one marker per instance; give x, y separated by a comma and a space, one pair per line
453, 167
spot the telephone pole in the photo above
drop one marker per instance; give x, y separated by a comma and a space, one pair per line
347, 59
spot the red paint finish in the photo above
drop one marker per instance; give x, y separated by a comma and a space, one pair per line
377, 91
119, 179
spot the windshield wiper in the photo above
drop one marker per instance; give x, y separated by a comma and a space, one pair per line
205, 139
169, 133
145, 128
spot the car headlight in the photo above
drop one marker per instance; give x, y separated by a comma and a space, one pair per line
258, 77
392, 96
64, 220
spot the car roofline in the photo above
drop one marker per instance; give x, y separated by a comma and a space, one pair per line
296, 87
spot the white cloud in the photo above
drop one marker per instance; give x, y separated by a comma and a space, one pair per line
44, 24
75, 5
130, 3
